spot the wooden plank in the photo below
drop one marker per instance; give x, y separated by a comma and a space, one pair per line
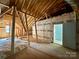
48, 5
29, 3
33, 53
30, 20
23, 4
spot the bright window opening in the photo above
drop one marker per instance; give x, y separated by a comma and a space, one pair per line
7, 28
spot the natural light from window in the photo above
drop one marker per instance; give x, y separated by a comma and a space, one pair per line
7, 28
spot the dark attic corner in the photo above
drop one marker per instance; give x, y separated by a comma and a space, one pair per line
39, 29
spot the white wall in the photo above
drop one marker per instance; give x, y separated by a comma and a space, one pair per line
44, 30
45, 27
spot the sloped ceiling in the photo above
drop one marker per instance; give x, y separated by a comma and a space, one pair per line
4, 5
38, 8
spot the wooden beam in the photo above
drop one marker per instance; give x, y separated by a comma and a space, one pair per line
30, 20
27, 30
22, 22
11, 14
13, 31
23, 4
6, 12
29, 3
47, 6
30, 23
4, 5
28, 14
36, 31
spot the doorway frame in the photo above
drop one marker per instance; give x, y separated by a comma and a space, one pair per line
55, 41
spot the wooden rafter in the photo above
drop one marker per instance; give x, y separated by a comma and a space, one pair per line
2, 4
6, 12
31, 22
37, 9
23, 4
47, 7
22, 22
31, 19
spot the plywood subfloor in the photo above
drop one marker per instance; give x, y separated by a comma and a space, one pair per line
30, 53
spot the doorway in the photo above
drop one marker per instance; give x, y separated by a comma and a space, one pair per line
58, 34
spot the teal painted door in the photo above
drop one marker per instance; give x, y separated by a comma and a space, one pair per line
58, 33
69, 35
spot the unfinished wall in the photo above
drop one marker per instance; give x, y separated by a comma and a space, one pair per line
69, 28
44, 30
3, 29
45, 27
7, 20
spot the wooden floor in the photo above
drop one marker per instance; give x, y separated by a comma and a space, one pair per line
30, 53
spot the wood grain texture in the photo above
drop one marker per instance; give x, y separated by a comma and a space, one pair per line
30, 53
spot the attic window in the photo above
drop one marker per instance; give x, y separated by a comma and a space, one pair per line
7, 28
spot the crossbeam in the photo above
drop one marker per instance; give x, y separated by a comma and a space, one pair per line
1, 4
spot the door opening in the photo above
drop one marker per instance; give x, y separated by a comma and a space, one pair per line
58, 34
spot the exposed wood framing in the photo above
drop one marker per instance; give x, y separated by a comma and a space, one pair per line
36, 31
22, 22
36, 9
6, 12
13, 31
27, 30
45, 9
30, 21
27, 13
23, 4
4, 5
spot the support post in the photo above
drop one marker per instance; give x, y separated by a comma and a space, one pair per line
36, 31
27, 30
22, 22
13, 31
9, 28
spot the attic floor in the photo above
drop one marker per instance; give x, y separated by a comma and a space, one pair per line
53, 49
45, 51
30, 53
